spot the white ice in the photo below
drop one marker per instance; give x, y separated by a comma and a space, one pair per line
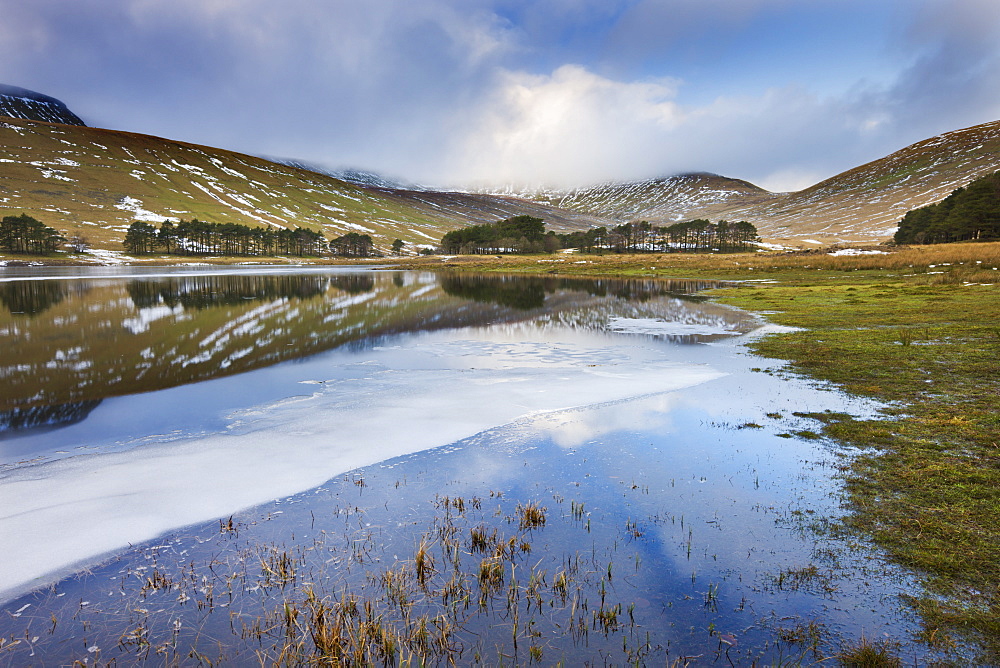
654, 327
430, 390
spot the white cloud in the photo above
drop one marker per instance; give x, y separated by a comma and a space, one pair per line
567, 92
789, 180
575, 127
566, 127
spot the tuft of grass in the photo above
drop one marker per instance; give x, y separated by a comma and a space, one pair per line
424, 563
868, 654
530, 515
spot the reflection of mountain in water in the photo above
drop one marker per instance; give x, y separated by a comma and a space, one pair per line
57, 415
141, 335
633, 289
31, 297
201, 292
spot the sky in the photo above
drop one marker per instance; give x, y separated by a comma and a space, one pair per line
560, 93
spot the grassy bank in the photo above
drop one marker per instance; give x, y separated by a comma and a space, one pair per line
918, 328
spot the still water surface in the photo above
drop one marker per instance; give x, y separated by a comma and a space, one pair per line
140, 407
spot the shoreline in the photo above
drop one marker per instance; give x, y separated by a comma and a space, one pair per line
916, 328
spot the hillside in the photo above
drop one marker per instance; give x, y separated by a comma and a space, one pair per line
666, 199
862, 204
867, 202
28, 105
96, 182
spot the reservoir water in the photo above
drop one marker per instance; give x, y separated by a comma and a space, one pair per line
191, 458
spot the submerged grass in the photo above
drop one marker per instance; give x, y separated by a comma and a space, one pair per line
916, 328
926, 484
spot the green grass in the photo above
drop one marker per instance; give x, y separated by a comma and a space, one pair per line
926, 482
917, 329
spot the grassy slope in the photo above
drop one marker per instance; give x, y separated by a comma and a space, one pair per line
77, 180
867, 202
664, 200
917, 328
96, 182
862, 204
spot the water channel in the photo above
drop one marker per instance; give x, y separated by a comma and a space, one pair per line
183, 451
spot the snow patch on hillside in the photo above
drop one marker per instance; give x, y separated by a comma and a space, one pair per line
138, 213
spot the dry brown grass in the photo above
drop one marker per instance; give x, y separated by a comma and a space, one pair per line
966, 261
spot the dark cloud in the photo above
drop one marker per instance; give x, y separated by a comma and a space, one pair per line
778, 91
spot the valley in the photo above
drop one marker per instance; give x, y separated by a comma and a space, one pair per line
94, 182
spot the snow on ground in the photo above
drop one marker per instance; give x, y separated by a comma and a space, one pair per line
138, 213
110, 256
856, 251
361, 228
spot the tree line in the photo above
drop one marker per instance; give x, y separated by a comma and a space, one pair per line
971, 213
694, 236
24, 234
526, 234
196, 237
520, 234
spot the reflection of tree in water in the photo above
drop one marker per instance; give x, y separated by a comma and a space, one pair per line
200, 292
353, 284
58, 415
31, 297
636, 289
525, 293
514, 291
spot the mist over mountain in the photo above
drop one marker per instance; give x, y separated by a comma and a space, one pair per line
97, 181
359, 177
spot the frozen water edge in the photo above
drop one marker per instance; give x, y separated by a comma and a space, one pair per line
654, 327
424, 392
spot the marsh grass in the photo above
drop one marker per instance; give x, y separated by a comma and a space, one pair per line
932, 264
869, 654
915, 327
477, 587
926, 481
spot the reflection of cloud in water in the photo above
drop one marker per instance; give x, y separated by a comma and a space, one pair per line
430, 391
574, 428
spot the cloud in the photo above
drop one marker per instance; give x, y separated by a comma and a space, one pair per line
575, 127
953, 74
564, 92
569, 126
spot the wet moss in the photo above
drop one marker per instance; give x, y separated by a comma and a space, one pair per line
915, 328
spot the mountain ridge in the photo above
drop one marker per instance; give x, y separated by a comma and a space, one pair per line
862, 204
97, 181
17, 102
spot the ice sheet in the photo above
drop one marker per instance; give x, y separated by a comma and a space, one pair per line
425, 391
654, 327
